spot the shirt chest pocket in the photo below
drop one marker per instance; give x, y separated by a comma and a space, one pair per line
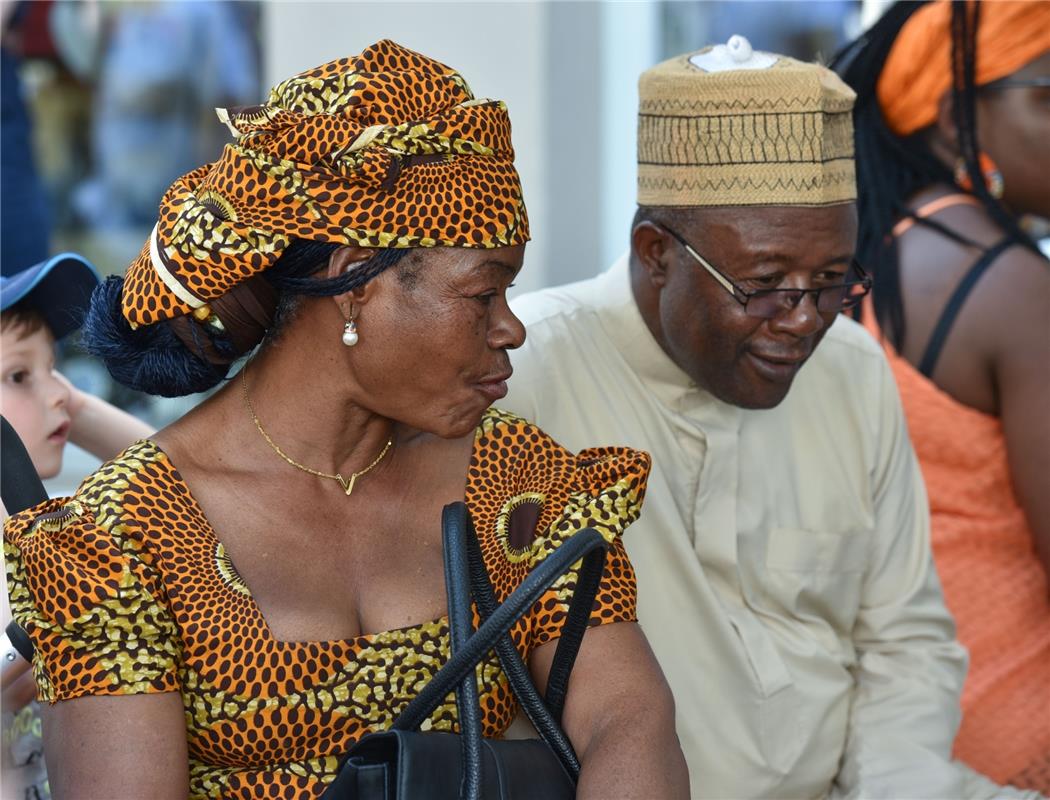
817, 576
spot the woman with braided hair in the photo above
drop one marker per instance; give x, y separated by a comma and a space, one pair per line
238, 599
953, 148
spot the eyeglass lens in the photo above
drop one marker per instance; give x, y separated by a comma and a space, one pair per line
830, 300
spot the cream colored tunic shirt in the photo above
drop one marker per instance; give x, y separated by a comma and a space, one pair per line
783, 555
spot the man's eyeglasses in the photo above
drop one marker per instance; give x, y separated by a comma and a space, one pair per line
769, 303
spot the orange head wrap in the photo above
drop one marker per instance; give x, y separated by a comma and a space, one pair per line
388, 149
918, 70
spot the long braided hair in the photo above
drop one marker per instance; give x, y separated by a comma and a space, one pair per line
892, 168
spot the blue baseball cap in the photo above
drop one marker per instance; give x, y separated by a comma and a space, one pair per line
59, 288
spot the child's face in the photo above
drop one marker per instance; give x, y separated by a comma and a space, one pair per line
32, 398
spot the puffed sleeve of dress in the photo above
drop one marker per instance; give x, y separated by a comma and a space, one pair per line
82, 587
527, 494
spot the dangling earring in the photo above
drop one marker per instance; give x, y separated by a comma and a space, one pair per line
993, 178
350, 336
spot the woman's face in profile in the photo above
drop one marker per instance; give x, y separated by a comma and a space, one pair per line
1014, 129
435, 331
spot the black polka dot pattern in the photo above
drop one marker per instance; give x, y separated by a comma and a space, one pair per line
388, 149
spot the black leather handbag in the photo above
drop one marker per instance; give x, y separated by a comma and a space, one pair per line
405, 764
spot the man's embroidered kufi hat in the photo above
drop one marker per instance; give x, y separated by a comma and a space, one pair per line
728, 126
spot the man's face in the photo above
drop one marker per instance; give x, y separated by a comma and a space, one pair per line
740, 359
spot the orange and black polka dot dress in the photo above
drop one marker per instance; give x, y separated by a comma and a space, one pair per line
125, 589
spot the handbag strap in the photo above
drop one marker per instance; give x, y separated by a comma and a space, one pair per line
588, 581
455, 529
496, 626
543, 719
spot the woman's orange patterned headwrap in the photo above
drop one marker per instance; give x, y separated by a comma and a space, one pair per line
388, 149
918, 70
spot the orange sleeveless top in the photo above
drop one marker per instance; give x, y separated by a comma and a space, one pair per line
994, 583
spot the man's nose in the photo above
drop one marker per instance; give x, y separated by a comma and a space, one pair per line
802, 320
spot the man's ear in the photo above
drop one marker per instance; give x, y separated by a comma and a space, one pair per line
346, 260
649, 244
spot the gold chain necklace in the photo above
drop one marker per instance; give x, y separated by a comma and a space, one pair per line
346, 483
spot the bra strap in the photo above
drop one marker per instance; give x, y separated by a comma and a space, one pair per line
955, 304
932, 207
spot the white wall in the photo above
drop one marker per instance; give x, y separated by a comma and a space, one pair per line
630, 36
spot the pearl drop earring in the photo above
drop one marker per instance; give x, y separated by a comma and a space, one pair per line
350, 336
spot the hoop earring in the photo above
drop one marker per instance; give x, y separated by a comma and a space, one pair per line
993, 178
350, 337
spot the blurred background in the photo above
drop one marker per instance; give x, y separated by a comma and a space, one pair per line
106, 103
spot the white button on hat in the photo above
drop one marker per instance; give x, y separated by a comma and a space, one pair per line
739, 48
735, 54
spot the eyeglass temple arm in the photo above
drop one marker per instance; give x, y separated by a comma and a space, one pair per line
718, 276
738, 294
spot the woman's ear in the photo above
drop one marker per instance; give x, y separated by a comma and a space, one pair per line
345, 260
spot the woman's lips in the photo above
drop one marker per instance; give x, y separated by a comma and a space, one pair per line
494, 388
